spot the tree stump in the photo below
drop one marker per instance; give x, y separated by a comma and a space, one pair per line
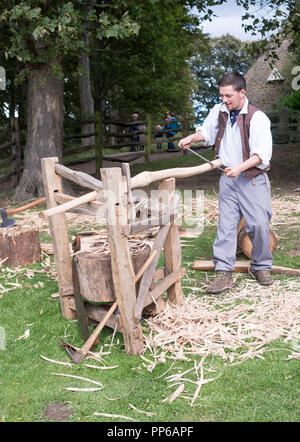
95, 274
244, 242
20, 245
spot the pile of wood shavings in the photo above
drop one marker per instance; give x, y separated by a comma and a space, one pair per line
100, 245
236, 326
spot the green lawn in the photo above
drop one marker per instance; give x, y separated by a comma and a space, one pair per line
256, 390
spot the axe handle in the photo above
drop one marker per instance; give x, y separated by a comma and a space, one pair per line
89, 343
27, 206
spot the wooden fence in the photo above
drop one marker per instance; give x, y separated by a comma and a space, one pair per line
285, 126
122, 138
114, 135
11, 145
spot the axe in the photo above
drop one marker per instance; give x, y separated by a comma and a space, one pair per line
10, 222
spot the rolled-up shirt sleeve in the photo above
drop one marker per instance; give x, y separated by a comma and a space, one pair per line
260, 140
209, 129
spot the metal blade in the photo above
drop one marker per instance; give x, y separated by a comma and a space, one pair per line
206, 160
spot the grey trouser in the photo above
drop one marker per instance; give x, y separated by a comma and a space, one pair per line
239, 196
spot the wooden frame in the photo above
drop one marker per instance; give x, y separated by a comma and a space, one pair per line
116, 186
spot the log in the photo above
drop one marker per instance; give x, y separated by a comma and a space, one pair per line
141, 180
145, 178
69, 205
172, 244
92, 208
244, 267
95, 274
59, 234
147, 277
81, 178
164, 285
21, 245
97, 314
121, 263
244, 242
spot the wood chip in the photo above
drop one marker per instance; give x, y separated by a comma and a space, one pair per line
25, 336
98, 367
68, 364
175, 395
83, 389
79, 377
148, 413
116, 416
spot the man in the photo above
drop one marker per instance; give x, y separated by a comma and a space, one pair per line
242, 138
170, 123
134, 117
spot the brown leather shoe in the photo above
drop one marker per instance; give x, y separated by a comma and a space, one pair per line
264, 277
223, 281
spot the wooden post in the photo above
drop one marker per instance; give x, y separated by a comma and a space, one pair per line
16, 148
297, 136
283, 135
59, 235
185, 131
172, 244
99, 142
148, 138
115, 189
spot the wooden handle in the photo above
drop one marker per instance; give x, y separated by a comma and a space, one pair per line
69, 205
145, 265
27, 206
88, 344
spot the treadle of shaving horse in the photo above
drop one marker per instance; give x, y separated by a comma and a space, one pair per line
116, 269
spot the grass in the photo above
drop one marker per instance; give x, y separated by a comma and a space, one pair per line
255, 391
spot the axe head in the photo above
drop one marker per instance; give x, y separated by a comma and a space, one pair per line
6, 222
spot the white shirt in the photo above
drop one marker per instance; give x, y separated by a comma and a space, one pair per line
231, 151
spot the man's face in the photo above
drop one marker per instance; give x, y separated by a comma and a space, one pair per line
233, 100
135, 116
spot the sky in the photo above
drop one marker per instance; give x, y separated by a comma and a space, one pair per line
229, 20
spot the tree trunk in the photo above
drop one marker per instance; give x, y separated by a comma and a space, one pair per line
85, 95
44, 129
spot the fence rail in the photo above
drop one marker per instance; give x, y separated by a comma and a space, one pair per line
285, 127
13, 146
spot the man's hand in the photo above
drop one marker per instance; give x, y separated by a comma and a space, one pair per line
185, 143
234, 172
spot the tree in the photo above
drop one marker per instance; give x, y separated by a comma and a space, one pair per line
40, 33
274, 22
215, 57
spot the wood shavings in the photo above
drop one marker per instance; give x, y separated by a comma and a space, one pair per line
25, 336
82, 389
117, 416
147, 413
98, 367
78, 377
56, 362
176, 393
293, 355
235, 327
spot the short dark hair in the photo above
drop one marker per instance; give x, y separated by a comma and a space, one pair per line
234, 79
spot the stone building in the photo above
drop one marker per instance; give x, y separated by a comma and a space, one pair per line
265, 84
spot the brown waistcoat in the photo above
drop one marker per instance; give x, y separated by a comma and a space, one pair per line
243, 121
